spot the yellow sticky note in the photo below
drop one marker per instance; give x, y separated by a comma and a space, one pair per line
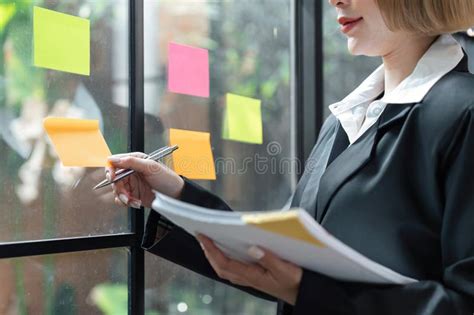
194, 158
61, 41
242, 119
285, 223
78, 142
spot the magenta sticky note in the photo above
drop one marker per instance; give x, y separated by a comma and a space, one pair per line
188, 70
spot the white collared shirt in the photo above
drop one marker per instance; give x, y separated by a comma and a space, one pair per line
358, 111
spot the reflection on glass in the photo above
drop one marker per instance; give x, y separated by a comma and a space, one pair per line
249, 44
93, 282
39, 197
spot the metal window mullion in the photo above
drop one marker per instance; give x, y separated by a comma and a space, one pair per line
65, 245
136, 264
308, 82
318, 69
309, 50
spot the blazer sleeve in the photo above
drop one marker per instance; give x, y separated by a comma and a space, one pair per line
453, 293
171, 242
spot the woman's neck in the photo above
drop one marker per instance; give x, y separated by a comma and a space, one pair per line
401, 62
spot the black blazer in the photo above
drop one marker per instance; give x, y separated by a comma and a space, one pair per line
402, 194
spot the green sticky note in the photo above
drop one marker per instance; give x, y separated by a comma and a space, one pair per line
242, 119
61, 41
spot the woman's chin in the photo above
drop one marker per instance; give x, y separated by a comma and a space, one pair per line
353, 46
357, 48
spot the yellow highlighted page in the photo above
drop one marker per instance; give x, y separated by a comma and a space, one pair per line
242, 119
285, 223
194, 158
61, 41
78, 142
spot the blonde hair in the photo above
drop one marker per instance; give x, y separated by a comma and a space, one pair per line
432, 17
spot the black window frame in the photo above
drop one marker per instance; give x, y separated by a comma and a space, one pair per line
308, 91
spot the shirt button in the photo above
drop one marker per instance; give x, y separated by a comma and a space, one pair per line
375, 111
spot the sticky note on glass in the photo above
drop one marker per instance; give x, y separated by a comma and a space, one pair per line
194, 158
78, 142
188, 70
61, 41
242, 119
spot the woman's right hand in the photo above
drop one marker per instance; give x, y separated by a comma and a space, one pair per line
136, 190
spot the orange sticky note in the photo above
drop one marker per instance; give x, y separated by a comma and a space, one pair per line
194, 158
78, 142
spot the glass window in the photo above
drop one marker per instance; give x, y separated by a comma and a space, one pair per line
249, 46
40, 198
250, 49
173, 290
92, 282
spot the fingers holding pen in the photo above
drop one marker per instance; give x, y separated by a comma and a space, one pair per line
149, 174
122, 188
136, 163
124, 198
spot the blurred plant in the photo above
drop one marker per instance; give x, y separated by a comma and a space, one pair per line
7, 10
112, 299
65, 300
250, 68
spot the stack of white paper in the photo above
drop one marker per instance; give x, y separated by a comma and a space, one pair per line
293, 235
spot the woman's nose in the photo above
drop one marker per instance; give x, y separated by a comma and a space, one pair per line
338, 3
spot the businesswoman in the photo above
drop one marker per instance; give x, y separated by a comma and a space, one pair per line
393, 175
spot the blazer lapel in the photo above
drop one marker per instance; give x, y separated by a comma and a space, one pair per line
355, 157
393, 113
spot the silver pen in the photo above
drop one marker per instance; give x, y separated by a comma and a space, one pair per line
121, 174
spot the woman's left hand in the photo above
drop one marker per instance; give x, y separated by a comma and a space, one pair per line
270, 274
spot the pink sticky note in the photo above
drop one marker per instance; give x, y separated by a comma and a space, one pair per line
188, 70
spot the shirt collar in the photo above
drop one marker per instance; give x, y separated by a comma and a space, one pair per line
442, 56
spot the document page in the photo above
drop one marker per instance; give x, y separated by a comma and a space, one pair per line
293, 235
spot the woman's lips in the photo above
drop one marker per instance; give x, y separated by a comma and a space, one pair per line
347, 24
